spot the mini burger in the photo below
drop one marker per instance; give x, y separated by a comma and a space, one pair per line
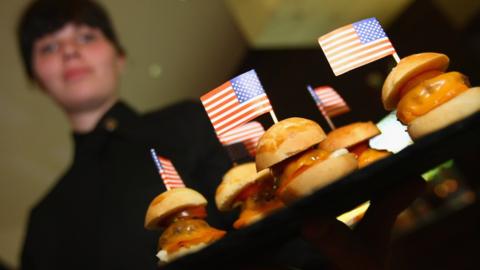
355, 137
180, 212
289, 148
428, 98
254, 192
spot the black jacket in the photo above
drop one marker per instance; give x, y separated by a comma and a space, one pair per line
93, 217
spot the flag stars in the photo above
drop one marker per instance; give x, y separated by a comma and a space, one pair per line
369, 30
247, 86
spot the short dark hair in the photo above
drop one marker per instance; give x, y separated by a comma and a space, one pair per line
43, 17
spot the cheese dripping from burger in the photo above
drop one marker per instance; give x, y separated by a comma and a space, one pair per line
181, 213
243, 187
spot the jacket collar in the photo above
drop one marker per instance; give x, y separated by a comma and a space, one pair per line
117, 119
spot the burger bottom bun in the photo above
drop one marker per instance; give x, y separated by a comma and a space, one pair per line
318, 176
166, 257
459, 107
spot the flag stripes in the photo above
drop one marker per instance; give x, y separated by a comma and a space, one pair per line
171, 178
248, 134
236, 102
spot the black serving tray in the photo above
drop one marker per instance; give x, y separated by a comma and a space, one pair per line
338, 197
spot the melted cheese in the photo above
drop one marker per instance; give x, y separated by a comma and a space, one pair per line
366, 155
429, 94
187, 233
300, 164
254, 209
371, 155
257, 200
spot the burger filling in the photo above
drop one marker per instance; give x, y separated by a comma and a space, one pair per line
366, 155
371, 155
257, 200
187, 229
427, 91
294, 166
187, 213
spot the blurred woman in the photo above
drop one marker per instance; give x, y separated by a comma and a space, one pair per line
92, 218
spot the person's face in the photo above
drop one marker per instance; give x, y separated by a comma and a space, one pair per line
77, 66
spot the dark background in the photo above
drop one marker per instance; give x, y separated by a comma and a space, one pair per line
420, 28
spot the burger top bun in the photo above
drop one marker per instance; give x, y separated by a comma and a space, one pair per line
405, 70
349, 135
234, 181
169, 203
285, 139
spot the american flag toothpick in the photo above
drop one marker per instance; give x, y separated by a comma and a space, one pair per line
329, 102
355, 45
236, 102
167, 171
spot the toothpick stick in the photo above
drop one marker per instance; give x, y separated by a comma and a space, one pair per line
395, 56
329, 121
274, 117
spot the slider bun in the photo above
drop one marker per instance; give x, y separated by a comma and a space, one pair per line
285, 139
457, 108
405, 70
349, 135
234, 181
166, 257
169, 203
318, 176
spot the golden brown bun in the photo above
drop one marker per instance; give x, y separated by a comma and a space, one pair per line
406, 69
169, 203
234, 181
285, 139
349, 135
319, 175
459, 107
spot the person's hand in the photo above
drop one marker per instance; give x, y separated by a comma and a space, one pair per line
367, 245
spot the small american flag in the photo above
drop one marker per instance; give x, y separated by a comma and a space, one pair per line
329, 101
248, 134
167, 171
355, 45
236, 102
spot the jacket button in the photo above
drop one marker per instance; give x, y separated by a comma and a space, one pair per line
110, 124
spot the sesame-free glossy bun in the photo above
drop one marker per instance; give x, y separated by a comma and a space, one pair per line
234, 181
349, 135
318, 176
406, 69
169, 203
285, 139
459, 107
